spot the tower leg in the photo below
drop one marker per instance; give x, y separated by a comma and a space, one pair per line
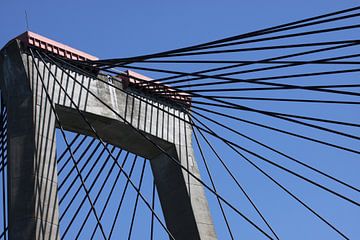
32, 173
183, 202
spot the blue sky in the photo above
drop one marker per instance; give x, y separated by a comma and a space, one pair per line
113, 29
110, 29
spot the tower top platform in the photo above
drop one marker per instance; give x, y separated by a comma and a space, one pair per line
129, 78
36, 40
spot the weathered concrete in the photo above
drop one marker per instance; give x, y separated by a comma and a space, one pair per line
32, 162
32, 174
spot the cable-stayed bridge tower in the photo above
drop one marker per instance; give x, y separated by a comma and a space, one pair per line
95, 149
41, 95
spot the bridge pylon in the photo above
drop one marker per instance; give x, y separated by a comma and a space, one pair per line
40, 94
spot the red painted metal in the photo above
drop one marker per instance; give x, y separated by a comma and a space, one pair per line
140, 81
33, 39
131, 79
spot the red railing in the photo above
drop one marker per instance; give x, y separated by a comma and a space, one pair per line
33, 39
131, 79
142, 82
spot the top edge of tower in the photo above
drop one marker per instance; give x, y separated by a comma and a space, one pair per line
130, 78
33, 39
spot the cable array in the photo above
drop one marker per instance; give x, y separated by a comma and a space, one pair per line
265, 108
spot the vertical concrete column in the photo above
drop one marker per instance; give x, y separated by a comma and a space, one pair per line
32, 173
182, 197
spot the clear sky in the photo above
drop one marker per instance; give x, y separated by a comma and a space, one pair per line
111, 29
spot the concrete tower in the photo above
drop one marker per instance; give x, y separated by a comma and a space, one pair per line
32, 172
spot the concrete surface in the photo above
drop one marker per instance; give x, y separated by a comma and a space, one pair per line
32, 178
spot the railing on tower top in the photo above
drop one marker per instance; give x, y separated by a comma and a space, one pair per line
130, 78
